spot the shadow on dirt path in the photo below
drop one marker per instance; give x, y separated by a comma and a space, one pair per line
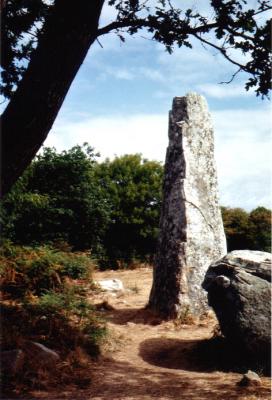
201, 355
123, 380
152, 359
172, 354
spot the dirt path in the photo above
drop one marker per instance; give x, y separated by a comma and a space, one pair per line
148, 360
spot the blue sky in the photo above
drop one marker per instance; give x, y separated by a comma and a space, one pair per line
120, 99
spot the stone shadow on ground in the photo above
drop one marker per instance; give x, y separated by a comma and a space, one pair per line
207, 355
172, 379
117, 380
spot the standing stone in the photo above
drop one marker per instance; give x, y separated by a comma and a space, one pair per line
191, 229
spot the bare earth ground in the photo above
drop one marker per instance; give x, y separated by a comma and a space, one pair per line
147, 359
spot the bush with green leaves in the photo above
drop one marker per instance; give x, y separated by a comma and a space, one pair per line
36, 279
111, 209
62, 320
247, 230
70, 303
133, 189
42, 302
57, 199
27, 270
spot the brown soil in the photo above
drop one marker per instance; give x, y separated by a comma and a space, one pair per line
148, 359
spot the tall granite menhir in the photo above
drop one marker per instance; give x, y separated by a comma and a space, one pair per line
191, 228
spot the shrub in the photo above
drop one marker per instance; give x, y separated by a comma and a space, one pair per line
41, 304
26, 270
57, 199
77, 265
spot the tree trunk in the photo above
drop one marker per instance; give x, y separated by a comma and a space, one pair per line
68, 33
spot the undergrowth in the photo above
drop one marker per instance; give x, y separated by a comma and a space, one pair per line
44, 299
27, 270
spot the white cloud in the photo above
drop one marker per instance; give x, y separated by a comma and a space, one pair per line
117, 73
248, 191
196, 69
152, 74
223, 91
243, 153
115, 135
131, 73
242, 147
200, 68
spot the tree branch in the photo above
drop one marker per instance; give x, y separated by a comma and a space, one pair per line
100, 44
231, 79
223, 52
268, 8
143, 23
240, 34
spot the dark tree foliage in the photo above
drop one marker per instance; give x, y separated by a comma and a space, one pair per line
247, 230
19, 33
260, 229
111, 208
133, 187
236, 227
56, 200
63, 32
234, 22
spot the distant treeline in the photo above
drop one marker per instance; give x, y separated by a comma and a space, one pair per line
247, 230
111, 208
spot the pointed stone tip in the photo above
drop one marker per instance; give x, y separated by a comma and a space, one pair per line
189, 94
190, 98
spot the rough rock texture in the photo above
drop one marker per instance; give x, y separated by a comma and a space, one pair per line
40, 355
111, 285
12, 361
250, 379
191, 228
239, 290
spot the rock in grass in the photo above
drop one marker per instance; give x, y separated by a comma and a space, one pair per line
239, 291
111, 285
12, 361
250, 379
40, 355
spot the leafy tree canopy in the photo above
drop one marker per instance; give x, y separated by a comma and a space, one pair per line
57, 200
230, 27
112, 207
260, 233
247, 230
46, 41
133, 186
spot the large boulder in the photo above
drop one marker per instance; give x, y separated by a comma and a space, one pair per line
239, 291
12, 361
40, 355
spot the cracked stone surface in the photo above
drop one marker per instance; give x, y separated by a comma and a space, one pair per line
191, 228
243, 306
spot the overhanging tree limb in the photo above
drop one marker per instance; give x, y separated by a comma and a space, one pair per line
144, 23
68, 33
223, 51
